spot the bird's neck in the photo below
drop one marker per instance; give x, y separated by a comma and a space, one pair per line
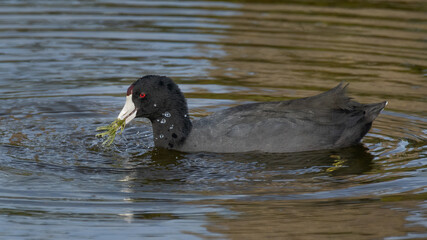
170, 130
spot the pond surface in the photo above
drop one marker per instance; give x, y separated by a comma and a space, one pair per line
65, 67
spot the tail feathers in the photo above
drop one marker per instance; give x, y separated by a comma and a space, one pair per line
360, 124
335, 98
372, 110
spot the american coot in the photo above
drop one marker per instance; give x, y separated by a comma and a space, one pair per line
325, 121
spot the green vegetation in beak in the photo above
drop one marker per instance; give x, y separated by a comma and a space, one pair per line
111, 130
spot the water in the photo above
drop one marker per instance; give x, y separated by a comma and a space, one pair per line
65, 67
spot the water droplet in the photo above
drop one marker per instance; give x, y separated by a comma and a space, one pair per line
158, 120
167, 114
161, 136
163, 121
171, 127
155, 105
185, 115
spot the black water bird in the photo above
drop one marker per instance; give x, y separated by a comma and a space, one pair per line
324, 121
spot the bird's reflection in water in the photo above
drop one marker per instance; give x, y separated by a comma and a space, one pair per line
190, 171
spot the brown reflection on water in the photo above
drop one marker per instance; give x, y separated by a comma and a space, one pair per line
350, 219
381, 52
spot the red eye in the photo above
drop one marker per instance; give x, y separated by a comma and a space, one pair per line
142, 95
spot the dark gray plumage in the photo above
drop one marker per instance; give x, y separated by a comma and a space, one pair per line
325, 121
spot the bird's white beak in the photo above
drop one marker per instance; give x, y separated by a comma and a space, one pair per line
129, 110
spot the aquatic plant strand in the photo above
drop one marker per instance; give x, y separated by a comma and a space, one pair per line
111, 130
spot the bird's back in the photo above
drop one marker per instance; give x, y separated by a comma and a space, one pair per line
328, 120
